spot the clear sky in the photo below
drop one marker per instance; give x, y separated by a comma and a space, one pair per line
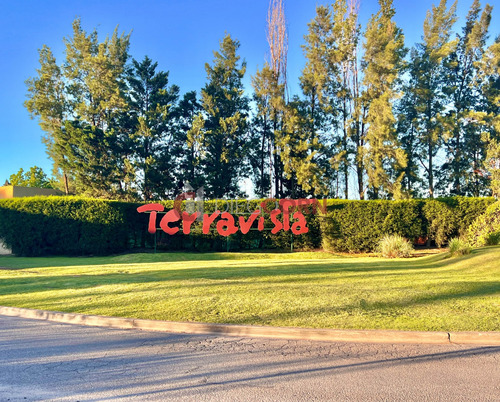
179, 34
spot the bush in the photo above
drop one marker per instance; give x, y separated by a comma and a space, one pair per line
485, 230
395, 246
458, 246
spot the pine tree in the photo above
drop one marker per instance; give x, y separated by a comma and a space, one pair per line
150, 121
78, 105
307, 134
188, 142
424, 103
225, 112
47, 101
383, 62
465, 149
407, 128
490, 113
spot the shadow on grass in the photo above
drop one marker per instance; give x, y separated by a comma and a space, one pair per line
14, 262
288, 273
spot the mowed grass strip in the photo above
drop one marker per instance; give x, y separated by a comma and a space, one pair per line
317, 290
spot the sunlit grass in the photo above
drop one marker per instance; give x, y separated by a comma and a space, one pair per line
318, 290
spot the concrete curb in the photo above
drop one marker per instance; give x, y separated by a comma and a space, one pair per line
329, 335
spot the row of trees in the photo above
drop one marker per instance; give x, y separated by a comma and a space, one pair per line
372, 115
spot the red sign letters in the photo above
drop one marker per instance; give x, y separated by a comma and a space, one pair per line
225, 222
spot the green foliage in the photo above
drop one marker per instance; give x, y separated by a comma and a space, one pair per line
492, 164
73, 225
465, 148
35, 177
354, 226
485, 230
459, 246
225, 126
269, 100
441, 221
451, 217
383, 62
78, 104
395, 246
420, 122
65, 225
148, 122
118, 130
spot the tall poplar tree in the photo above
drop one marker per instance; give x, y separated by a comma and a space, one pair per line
277, 38
346, 38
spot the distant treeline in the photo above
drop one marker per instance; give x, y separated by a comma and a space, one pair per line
390, 121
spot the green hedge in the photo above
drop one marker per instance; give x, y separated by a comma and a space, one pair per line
356, 226
353, 226
451, 217
82, 226
36, 226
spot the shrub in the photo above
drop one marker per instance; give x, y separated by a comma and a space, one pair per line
458, 246
485, 230
393, 246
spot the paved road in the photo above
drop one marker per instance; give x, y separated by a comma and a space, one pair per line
49, 361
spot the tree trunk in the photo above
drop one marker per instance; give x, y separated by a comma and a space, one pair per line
66, 186
431, 174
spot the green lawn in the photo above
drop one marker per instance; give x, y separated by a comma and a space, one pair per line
317, 290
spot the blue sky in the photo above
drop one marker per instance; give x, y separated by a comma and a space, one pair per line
179, 34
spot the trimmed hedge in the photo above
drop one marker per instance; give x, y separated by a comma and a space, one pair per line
81, 226
451, 217
35, 226
354, 226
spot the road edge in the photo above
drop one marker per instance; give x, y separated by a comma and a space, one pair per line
292, 333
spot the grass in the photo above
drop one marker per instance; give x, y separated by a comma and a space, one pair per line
318, 290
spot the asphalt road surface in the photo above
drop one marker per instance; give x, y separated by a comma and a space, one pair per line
49, 361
